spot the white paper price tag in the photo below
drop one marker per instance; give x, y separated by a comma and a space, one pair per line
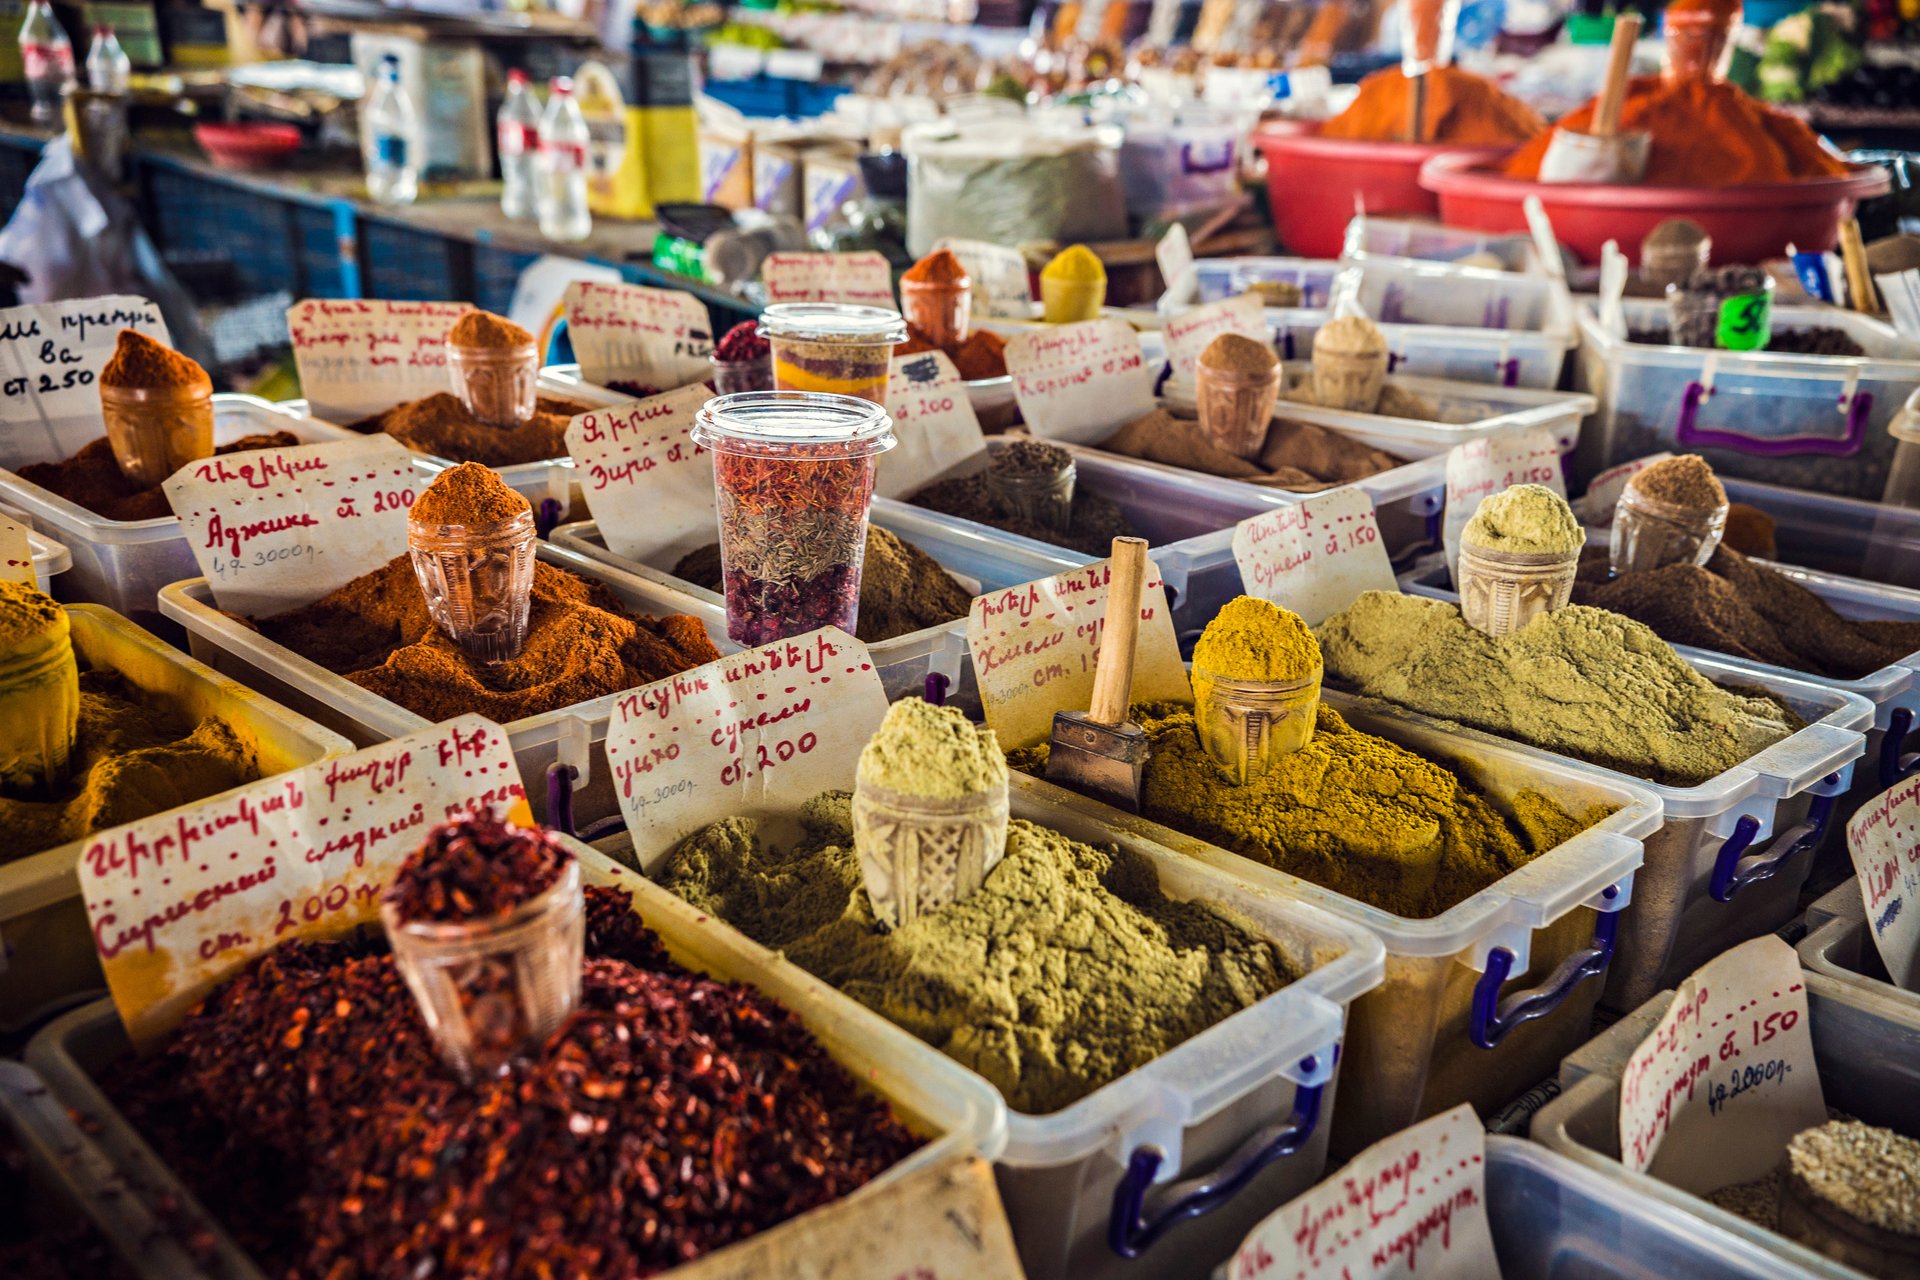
862, 278
1486, 466
628, 333
276, 528
180, 900
1884, 838
752, 735
1002, 285
16, 553
1712, 1097
934, 422
648, 484
1414, 1204
1080, 382
50, 358
1189, 332
1314, 557
1035, 647
361, 357
1596, 506
1174, 255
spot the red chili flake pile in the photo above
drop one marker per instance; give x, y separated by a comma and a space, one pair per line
306, 1107
475, 868
742, 342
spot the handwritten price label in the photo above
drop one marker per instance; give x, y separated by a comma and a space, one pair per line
1596, 508
1414, 1204
934, 422
16, 553
649, 485
275, 528
1314, 557
50, 357
1486, 466
1884, 838
1189, 332
624, 332
1035, 646
358, 358
1712, 1097
1080, 382
179, 901
1174, 256
1001, 283
754, 734
862, 278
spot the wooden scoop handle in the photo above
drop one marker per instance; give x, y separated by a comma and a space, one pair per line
1113, 673
1613, 94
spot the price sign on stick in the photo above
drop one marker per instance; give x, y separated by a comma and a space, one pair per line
1314, 557
16, 553
360, 357
1002, 285
1080, 382
648, 484
1884, 838
1487, 466
862, 278
1189, 332
50, 360
629, 333
1712, 1097
934, 422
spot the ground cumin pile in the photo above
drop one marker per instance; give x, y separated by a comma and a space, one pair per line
902, 588
440, 425
581, 644
1067, 969
1097, 521
92, 478
1298, 456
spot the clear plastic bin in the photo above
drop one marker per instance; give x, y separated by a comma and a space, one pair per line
934, 1096
1840, 946
1500, 357
1531, 316
1846, 536
122, 564
1811, 422
1863, 1046
1221, 1095
48, 956
50, 558
1404, 242
1229, 277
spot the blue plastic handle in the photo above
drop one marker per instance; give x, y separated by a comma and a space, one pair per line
1131, 1233
560, 797
546, 516
1732, 873
1493, 1017
1892, 767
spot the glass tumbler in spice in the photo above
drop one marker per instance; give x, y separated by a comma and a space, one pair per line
499, 385
793, 482
155, 430
940, 308
489, 989
729, 376
1246, 725
39, 693
1033, 482
478, 582
1502, 591
832, 348
1236, 386
919, 853
1649, 533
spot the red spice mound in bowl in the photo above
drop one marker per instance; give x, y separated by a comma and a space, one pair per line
476, 868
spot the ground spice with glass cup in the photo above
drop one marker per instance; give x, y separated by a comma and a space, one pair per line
1032, 482
1519, 555
1673, 512
158, 409
1236, 385
742, 360
1729, 308
1673, 252
1349, 364
936, 297
472, 542
495, 367
39, 693
1256, 687
833, 348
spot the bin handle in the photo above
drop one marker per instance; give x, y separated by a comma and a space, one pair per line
1728, 876
1893, 766
1688, 431
560, 797
1131, 1233
935, 688
1493, 1017
1510, 372
545, 517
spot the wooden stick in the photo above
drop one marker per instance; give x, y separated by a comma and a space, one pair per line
1613, 97
1113, 675
1417, 125
1861, 295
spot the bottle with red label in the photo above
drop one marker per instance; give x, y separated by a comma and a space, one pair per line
46, 55
518, 134
563, 166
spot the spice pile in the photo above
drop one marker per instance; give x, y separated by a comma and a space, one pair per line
902, 588
742, 343
479, 868
670, 1115
92, 479
1096, 522
1817, 340
982, 355
442, 426
1861, 1173
1298, 456
1525, 520
488, 332
1462, 108
977, 355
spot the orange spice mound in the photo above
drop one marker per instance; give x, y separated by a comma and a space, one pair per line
469, 494
440, 425
489, 332
982, 355
941, 266
1706, 133
139, 361
1462, 108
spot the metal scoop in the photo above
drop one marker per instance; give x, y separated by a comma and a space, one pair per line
1098, 752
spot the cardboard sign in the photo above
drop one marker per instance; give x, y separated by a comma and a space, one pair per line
1884, 838
276, 528
1080, 382
862, 278
1713, 1096
754, 735
1189, 332
50, 356
1414, 1204
361, 357
1314, 557
1486, 466
16, 554
628, 333
1035, 646
179, 901
1002, 285
648, 484
932, 419
1596, 506
1174, 255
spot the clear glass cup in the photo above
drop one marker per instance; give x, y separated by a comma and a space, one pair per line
1698, 44
1502, 591
40, 708
942, 312
793, 483
1729, 321
1045, 500
730, 376
832, 348
478, 582
1246, 725
1236, 409
492, 990
500, 386
1648, 533
155, 431
918, 854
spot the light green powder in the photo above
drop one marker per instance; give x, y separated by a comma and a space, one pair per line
935, 752
1526, 519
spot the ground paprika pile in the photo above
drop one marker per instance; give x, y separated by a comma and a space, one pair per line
1462, 108
140, 362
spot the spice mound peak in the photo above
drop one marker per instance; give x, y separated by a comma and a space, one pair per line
930, 751
140, 362
1525, 519
489, 332
476, 867
1254, 639
470, 494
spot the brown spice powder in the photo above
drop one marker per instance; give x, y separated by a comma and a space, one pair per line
470, 495
440, 425
1750, 532
1685, 481
140, 362
92, 478
1235, 353
489, 332
1301, 457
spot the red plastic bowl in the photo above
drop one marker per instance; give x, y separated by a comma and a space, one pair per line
1315, 183
246, 146
1748, 224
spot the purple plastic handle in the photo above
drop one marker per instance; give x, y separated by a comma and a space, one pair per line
935, 687
1688, 431
1732, 872
546, 516
1893, 766
1493, 1018
1510, 372
560, 797
1286, 344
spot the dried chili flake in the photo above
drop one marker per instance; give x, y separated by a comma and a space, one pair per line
742, 343
476, 868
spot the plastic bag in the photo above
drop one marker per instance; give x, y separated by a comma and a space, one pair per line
1006, 184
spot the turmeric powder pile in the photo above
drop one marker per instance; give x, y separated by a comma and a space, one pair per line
1462, 108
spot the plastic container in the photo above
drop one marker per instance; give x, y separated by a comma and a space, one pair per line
1709, 316
1045, 500
1400, 242
832, 347
155, 431
478, 582
1862, 1047
1310, 278
1502, 591
730, 376
1647, 533
49, 957
50, 558
1252, 1094
498, 385
1810, 422
122, 564
1865, 540
1421, 293
954, 1109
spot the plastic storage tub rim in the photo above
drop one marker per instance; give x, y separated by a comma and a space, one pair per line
1558, 325
50, 558
1785, 364
1840, 919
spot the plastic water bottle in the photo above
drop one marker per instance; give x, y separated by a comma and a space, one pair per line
108, 68
392, 175
46, 55
518, 134
563, 166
